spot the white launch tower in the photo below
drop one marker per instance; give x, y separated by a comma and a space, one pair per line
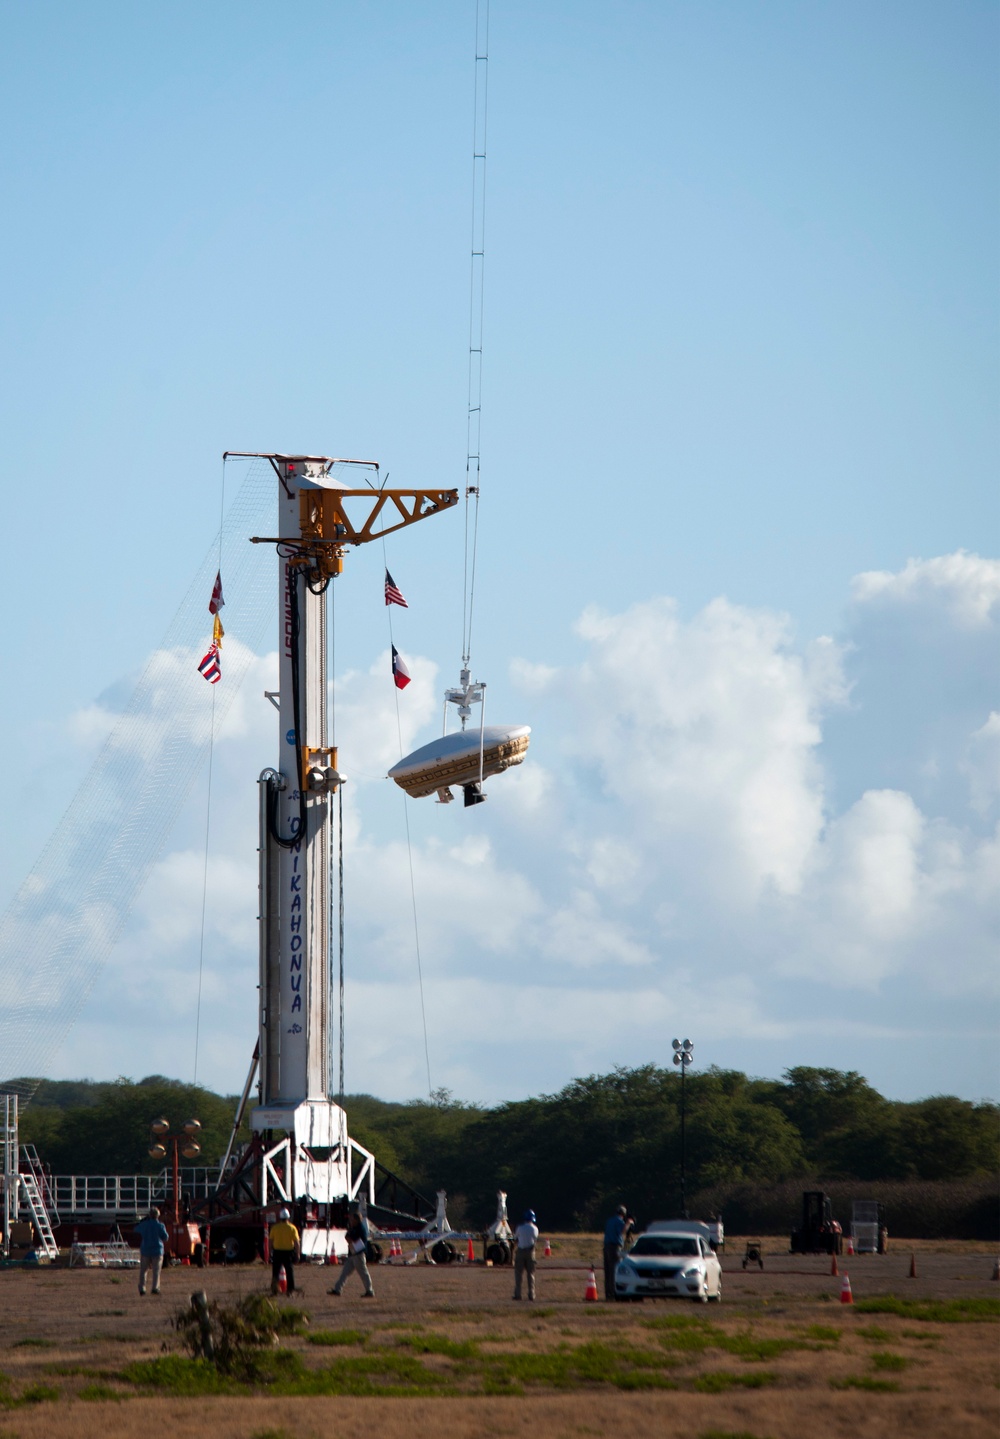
305, 1150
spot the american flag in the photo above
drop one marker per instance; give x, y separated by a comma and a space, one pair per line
211, 666
400, 674
393, 594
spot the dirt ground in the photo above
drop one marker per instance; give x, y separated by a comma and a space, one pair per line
780, 1358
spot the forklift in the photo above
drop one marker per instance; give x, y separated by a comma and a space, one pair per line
820, 1232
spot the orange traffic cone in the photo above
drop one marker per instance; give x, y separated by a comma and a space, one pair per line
398, 1250
913, 1266
833, 1266
850, 1245
282, 1281
548, 1250
591, 1294
846, 1297
471, 1256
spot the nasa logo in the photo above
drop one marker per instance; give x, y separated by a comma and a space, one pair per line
290, 737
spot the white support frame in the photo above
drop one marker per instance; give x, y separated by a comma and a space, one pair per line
267, 1168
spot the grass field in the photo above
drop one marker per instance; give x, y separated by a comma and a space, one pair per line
444, 1351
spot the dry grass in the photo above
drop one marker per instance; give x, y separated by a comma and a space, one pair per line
780, 1358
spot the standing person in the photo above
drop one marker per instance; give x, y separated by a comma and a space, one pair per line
286, 1248
153, 1237
616, 1231
526, 1235
357, 1253
716, 1233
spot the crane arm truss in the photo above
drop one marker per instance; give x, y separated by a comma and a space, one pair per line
327, 529
323, 513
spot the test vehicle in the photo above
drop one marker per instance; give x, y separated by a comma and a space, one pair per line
673, 1259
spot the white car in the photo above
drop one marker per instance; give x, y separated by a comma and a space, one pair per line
671, 1260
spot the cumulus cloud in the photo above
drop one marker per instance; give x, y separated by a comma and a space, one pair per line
719, 828
981, 764
372, 724
706, 732
963, 588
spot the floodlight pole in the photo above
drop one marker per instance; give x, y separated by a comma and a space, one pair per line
683, 1056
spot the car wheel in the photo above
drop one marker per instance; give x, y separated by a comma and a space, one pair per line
701, 1298
717, 1296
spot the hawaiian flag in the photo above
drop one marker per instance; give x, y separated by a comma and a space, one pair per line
393, 594
216, 602
211, 665
400, 674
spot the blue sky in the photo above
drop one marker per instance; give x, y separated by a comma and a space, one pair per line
741, 348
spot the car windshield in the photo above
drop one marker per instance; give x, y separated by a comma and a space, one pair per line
665, 1245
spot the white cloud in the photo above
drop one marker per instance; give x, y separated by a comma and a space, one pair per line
680, 856
965, 587
981, 764
707, 733
378, 723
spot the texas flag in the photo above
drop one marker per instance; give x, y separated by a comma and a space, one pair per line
400, 674
216, 603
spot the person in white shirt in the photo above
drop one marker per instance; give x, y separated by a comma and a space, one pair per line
716, 1233
526, 1235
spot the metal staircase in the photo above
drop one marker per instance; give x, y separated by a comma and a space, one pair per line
34, 1202
24, 1191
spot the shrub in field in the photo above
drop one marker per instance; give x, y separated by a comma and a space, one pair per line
234, 1337
97, 1393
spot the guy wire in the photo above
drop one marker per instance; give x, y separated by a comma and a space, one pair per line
208, 816
409, 857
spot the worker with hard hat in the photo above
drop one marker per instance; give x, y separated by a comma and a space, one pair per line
285, 1250
526, 1235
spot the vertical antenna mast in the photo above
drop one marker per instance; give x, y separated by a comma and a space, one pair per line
476, 293
467, 694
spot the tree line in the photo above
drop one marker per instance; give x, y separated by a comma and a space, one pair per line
573, 1155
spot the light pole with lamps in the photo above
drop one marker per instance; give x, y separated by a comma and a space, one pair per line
683, 1056
185, 1238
